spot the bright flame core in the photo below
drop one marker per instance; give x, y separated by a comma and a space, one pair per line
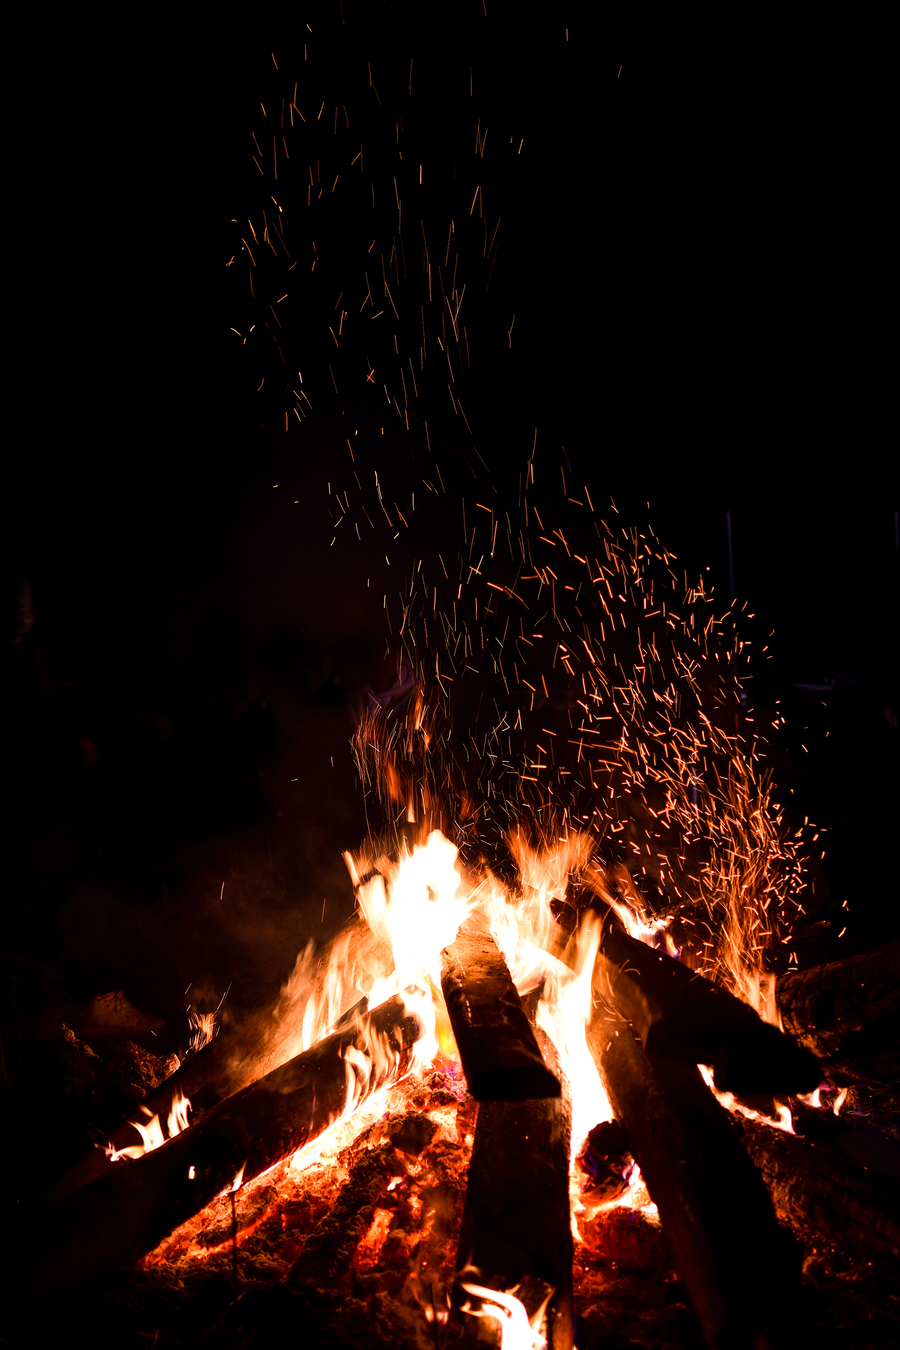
414, 907
516, 1331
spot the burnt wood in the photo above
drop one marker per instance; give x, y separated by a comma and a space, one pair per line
847, 1013
739, 1268
497, 1046
236, 1058
516, 1224
836, 1182
678, 1013
98, 1229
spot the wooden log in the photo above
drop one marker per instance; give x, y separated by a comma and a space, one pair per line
836, 1183
497, 1046
516, 1225
678, 1013
98, 1229
847, 1012
236, 1058
736, 1263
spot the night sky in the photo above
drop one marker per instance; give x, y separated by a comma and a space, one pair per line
692, 246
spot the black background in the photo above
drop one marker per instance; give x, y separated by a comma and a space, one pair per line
695, 257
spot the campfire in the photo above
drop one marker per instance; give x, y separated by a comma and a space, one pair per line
546, 1073
462, 1110
565, 1077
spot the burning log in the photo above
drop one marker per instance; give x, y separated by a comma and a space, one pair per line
846, 1012
715, 1212
209, 1072
101, 1227
516, 1226
233, 1060
835, 1182
499, 1052
679, 1014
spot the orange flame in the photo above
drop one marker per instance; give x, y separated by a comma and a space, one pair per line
151, 1131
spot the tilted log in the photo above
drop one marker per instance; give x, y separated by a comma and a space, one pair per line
236, 1058
834, 1182
847, 1012
678, 1013
497, 1046
516, 1224
98, 1229
209, 1071
737, 1265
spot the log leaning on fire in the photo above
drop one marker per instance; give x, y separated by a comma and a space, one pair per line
680, 1014
100, 1228
738, 1267
497, 1046
234, 1059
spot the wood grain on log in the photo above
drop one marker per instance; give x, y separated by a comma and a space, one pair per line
836, 1183
100, 1228
847, 1013
680, 1014
497, 1046
715, 1212
516, 1225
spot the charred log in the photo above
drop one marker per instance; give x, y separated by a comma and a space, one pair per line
736, 1263
834, 1182
516, 1226
100, 1228
679, 1014
847, 1012
235, 1059
500, 1055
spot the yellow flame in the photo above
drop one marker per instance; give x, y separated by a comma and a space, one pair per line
517, 1332
414, 907
564, 1013
151, 1131
783, 1120
178, 1115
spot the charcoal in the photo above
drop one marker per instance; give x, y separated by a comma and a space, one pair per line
411, 1133
329, 1250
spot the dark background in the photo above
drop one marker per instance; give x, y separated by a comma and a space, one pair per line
693, 247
